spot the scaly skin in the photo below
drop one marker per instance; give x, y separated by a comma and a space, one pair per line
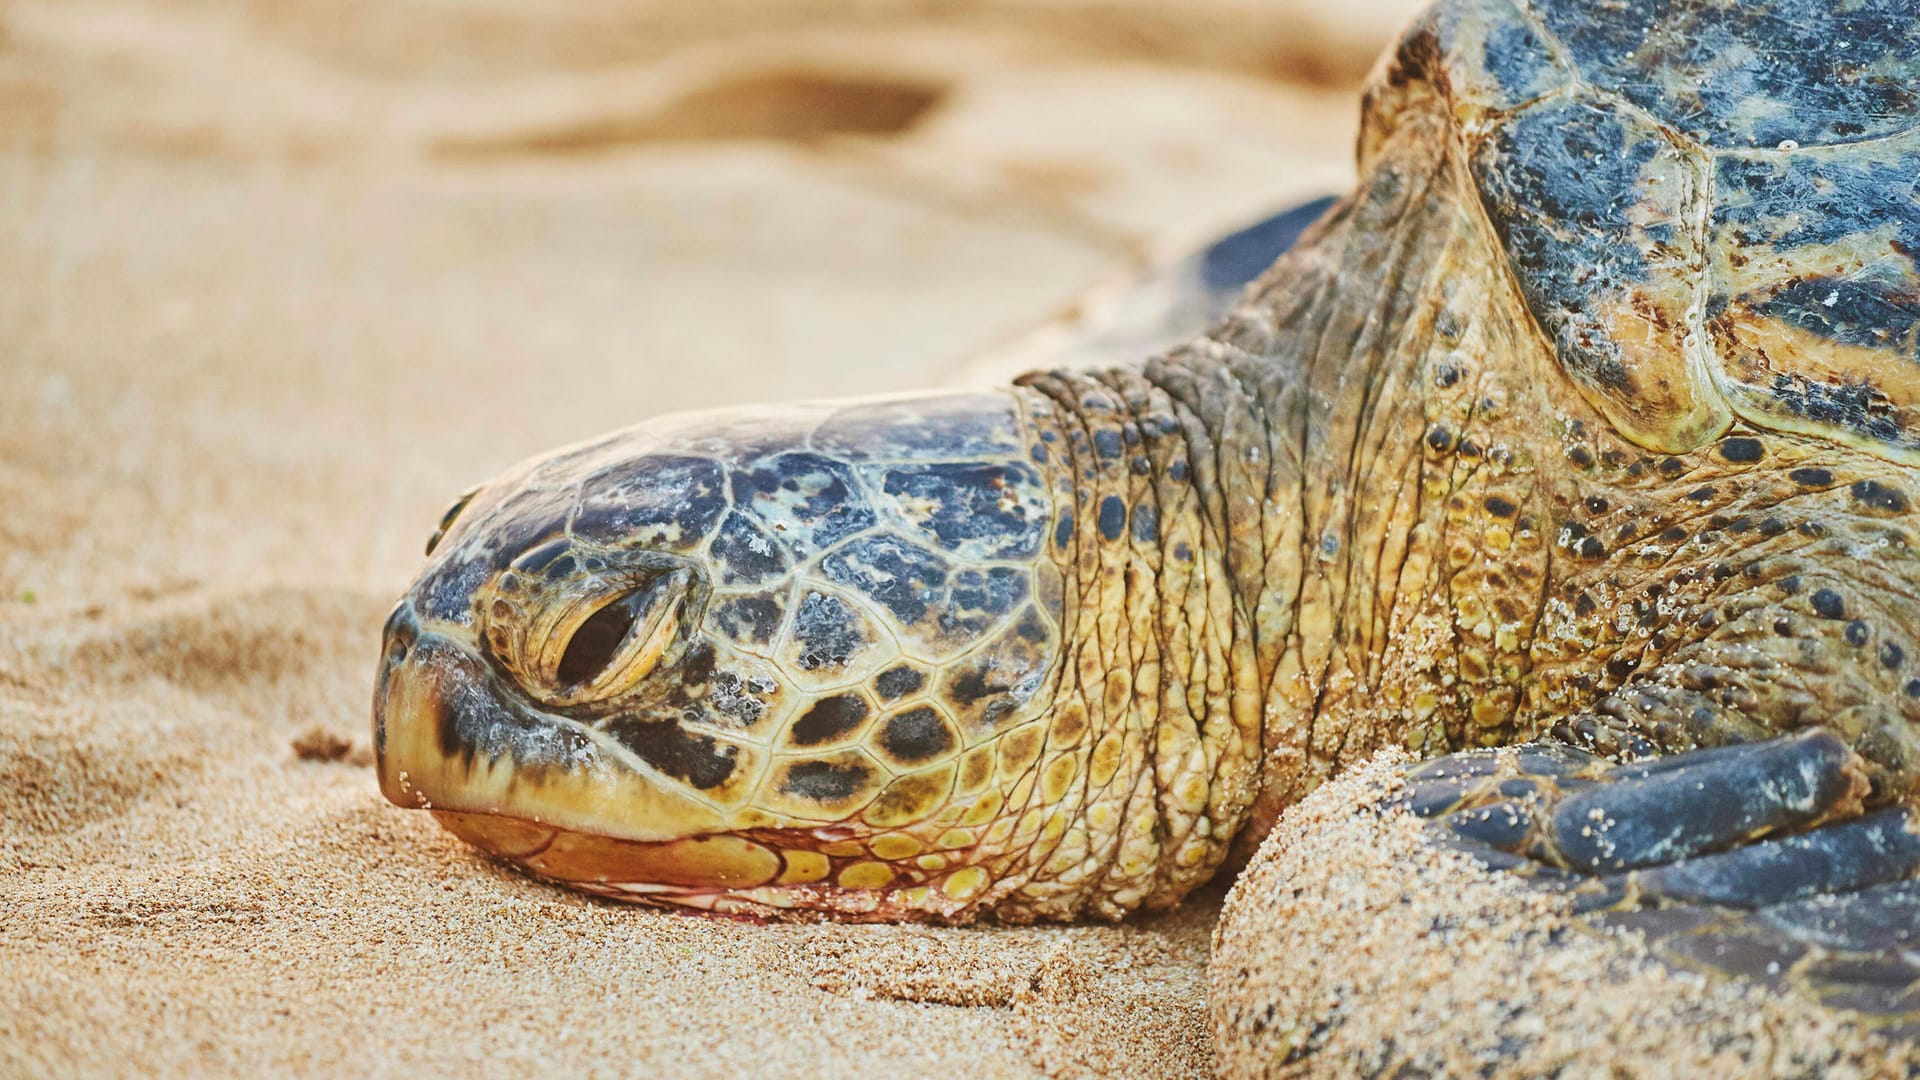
1132, 614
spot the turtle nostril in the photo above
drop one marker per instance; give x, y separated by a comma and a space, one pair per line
399, 634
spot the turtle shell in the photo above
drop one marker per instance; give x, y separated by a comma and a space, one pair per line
1711, 209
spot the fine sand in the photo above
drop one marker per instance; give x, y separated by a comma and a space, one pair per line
282, 276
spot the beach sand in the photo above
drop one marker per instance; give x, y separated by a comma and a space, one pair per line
281, 277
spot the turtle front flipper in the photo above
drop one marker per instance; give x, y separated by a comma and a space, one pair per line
1738, 904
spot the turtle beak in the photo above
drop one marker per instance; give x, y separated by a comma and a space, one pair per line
450, 735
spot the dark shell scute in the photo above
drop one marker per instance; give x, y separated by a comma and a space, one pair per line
1752, 74
1589, 203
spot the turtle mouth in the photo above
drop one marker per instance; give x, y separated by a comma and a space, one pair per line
774, 874
568, 802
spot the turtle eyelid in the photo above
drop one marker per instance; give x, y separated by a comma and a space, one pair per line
446, 520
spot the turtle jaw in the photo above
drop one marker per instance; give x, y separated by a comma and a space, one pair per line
448, 736
565, 803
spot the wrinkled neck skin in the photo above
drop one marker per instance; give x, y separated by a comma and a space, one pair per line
1307, 448
1429, 538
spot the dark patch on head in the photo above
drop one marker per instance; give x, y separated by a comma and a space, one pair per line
749, 619
1063, 531
1177, 470
827, 632
1828, 604
696, 666
740, 698
1913, 688
824, 781
1106, 443
897, 682
689, 756
983, 511
1622, 666
1113, 517
1673, 534
1596, 505
476, 723
1742, 450
897, 575
660, 501
1031, 627
1583, 604
809, 499
916, 735
1146, 523
1892, 655
1772, 526
1877, 496
1439, 439
447, 591
1701, 494
1590, 548
1500, 508
1811, 477
1182, 552
829, 719
984, 685
1580, 456
745, 553
1857, 633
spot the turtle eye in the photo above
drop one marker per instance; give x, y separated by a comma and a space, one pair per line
622, 641
593, 645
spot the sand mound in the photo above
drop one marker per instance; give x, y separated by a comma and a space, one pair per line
1352, 946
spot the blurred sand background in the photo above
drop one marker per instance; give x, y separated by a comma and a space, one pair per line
279, 277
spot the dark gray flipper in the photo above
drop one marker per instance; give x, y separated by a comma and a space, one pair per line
1754, 860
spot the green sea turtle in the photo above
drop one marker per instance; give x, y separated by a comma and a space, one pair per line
1586, 424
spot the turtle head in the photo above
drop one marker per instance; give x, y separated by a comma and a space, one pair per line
756, 661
